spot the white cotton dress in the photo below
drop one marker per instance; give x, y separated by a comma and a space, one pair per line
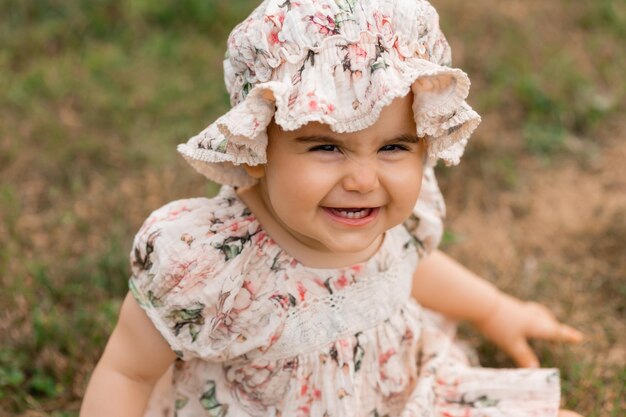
259, 334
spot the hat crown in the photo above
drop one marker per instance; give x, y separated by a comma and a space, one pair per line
280, 31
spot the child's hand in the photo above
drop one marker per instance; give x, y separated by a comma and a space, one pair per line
513, 321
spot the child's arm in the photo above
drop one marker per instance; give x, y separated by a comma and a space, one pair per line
442, 284
133, 360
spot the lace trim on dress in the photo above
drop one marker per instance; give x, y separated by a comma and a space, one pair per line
323, 320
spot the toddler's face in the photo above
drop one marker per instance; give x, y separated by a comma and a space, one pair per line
313, 173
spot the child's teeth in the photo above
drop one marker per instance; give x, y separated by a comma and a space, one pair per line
352, 214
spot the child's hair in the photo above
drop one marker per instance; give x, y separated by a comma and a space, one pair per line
338, 63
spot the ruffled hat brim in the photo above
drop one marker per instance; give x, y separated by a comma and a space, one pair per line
441, 113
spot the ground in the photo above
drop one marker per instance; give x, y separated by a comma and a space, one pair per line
97, 94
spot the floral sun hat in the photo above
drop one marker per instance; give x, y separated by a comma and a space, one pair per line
337, 62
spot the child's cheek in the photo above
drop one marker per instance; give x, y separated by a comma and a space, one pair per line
302, 174
403, 184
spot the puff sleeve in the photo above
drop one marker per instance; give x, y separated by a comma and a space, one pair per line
425, 224
180, 277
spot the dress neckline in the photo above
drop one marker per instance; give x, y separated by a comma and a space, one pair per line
277, 250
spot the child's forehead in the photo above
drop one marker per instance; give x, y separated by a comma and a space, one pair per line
316, 133
356, 138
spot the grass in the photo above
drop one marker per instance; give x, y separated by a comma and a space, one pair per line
86, 83
96, 94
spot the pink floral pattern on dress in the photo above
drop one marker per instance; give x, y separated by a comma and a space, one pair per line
225, 297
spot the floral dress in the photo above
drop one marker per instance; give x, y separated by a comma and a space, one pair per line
257, 333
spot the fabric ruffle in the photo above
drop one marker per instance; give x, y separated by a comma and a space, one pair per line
448, 386
425, 224
186, 263
407, 366
337, 63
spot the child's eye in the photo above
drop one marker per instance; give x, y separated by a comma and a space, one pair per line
394, 148
324, 148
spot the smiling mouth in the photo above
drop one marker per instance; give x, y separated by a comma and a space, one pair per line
351, 213
352, 217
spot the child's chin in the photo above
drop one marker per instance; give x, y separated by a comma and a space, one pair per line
354, 244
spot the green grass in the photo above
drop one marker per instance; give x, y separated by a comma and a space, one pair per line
90, 88
97, 93
557, 85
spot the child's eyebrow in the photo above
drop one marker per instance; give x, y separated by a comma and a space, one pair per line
404, 138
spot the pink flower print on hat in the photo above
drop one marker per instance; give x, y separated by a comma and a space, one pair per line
337, 62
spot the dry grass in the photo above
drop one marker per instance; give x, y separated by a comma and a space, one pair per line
96, 95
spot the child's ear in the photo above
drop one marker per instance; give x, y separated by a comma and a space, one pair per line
255, 171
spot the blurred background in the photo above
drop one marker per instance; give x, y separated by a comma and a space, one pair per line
95, 95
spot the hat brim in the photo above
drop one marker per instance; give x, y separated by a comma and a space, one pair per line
442, 116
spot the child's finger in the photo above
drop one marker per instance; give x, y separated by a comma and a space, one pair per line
553, 330
547, 327
568, 413
523, 355
569, 334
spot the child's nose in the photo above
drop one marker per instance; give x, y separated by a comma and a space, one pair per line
361, 176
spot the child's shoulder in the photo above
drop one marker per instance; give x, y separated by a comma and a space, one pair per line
182, 261
218, 209
189, 230
177, 211
214, 212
